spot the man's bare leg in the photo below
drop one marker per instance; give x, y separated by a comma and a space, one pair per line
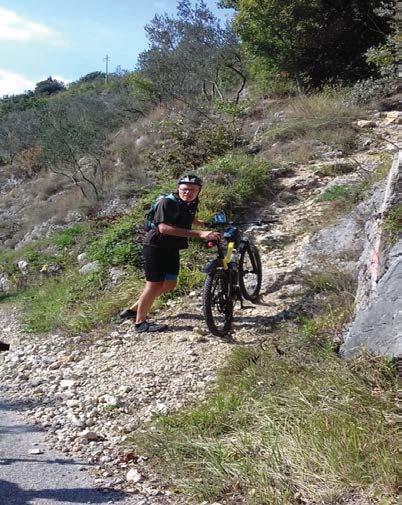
151, 291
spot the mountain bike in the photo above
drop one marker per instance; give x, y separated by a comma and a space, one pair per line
232, 276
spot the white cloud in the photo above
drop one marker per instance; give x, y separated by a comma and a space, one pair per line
14, 27
13, 84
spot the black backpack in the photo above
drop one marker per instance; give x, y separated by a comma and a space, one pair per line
149, 216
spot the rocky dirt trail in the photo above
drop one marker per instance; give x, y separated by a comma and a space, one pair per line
89, 391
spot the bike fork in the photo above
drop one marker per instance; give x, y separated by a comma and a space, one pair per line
235, 289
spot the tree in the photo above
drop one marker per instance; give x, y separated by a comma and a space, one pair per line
74, 135
92, 76
49, 86
18, 131
189, 54
315, 41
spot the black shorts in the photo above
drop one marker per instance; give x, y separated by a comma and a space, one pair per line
161, 264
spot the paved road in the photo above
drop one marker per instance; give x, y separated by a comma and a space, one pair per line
45, 479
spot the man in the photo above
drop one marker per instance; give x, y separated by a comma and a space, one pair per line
173, 221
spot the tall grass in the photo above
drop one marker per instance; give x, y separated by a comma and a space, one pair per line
284, 428
290, 422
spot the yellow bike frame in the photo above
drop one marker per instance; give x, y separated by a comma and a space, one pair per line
226, 260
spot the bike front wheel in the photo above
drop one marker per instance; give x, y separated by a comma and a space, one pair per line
250, 273
218, 303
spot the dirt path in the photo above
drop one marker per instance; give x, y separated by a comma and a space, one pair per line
90, 391
30, 473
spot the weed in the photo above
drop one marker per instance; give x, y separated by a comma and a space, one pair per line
68, 236
232, 181
351, 194
233, 109
392, 224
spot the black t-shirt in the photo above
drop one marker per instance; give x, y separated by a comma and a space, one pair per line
176, 213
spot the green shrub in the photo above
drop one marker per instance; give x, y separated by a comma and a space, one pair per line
117, 244
370, 89
187, 146
232, 181
393, 222
68, 236
350, 193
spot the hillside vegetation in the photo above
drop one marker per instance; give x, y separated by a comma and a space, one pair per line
288, 421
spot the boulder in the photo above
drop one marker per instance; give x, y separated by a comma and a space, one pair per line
90, 268
393, 117
81, 258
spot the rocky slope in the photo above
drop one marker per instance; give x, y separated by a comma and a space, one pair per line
90, 390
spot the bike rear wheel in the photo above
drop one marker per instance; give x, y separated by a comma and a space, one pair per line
250, 273
217, 303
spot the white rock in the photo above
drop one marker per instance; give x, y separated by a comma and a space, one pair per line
36, 451
91, 436
364, 123
392, 117
200, 331
111, 400
81, 258
134, 476
140, 141
23, 266
5, 284
67, 383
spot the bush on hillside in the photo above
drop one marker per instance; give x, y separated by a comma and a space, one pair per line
185, 146
325, 117
48, 87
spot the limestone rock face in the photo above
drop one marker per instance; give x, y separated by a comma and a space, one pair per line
342, 244
378, 327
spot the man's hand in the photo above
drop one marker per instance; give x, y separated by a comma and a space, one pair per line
211, 236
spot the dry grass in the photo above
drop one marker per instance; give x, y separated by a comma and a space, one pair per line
325, 118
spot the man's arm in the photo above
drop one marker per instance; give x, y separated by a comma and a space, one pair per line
174, 231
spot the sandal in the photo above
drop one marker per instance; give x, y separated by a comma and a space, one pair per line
146, 327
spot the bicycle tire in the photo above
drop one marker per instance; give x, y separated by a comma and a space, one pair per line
250, 287
217, 305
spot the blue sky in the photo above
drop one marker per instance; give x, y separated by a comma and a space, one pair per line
69, 39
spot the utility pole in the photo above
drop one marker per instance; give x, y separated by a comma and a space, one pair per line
107, 59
